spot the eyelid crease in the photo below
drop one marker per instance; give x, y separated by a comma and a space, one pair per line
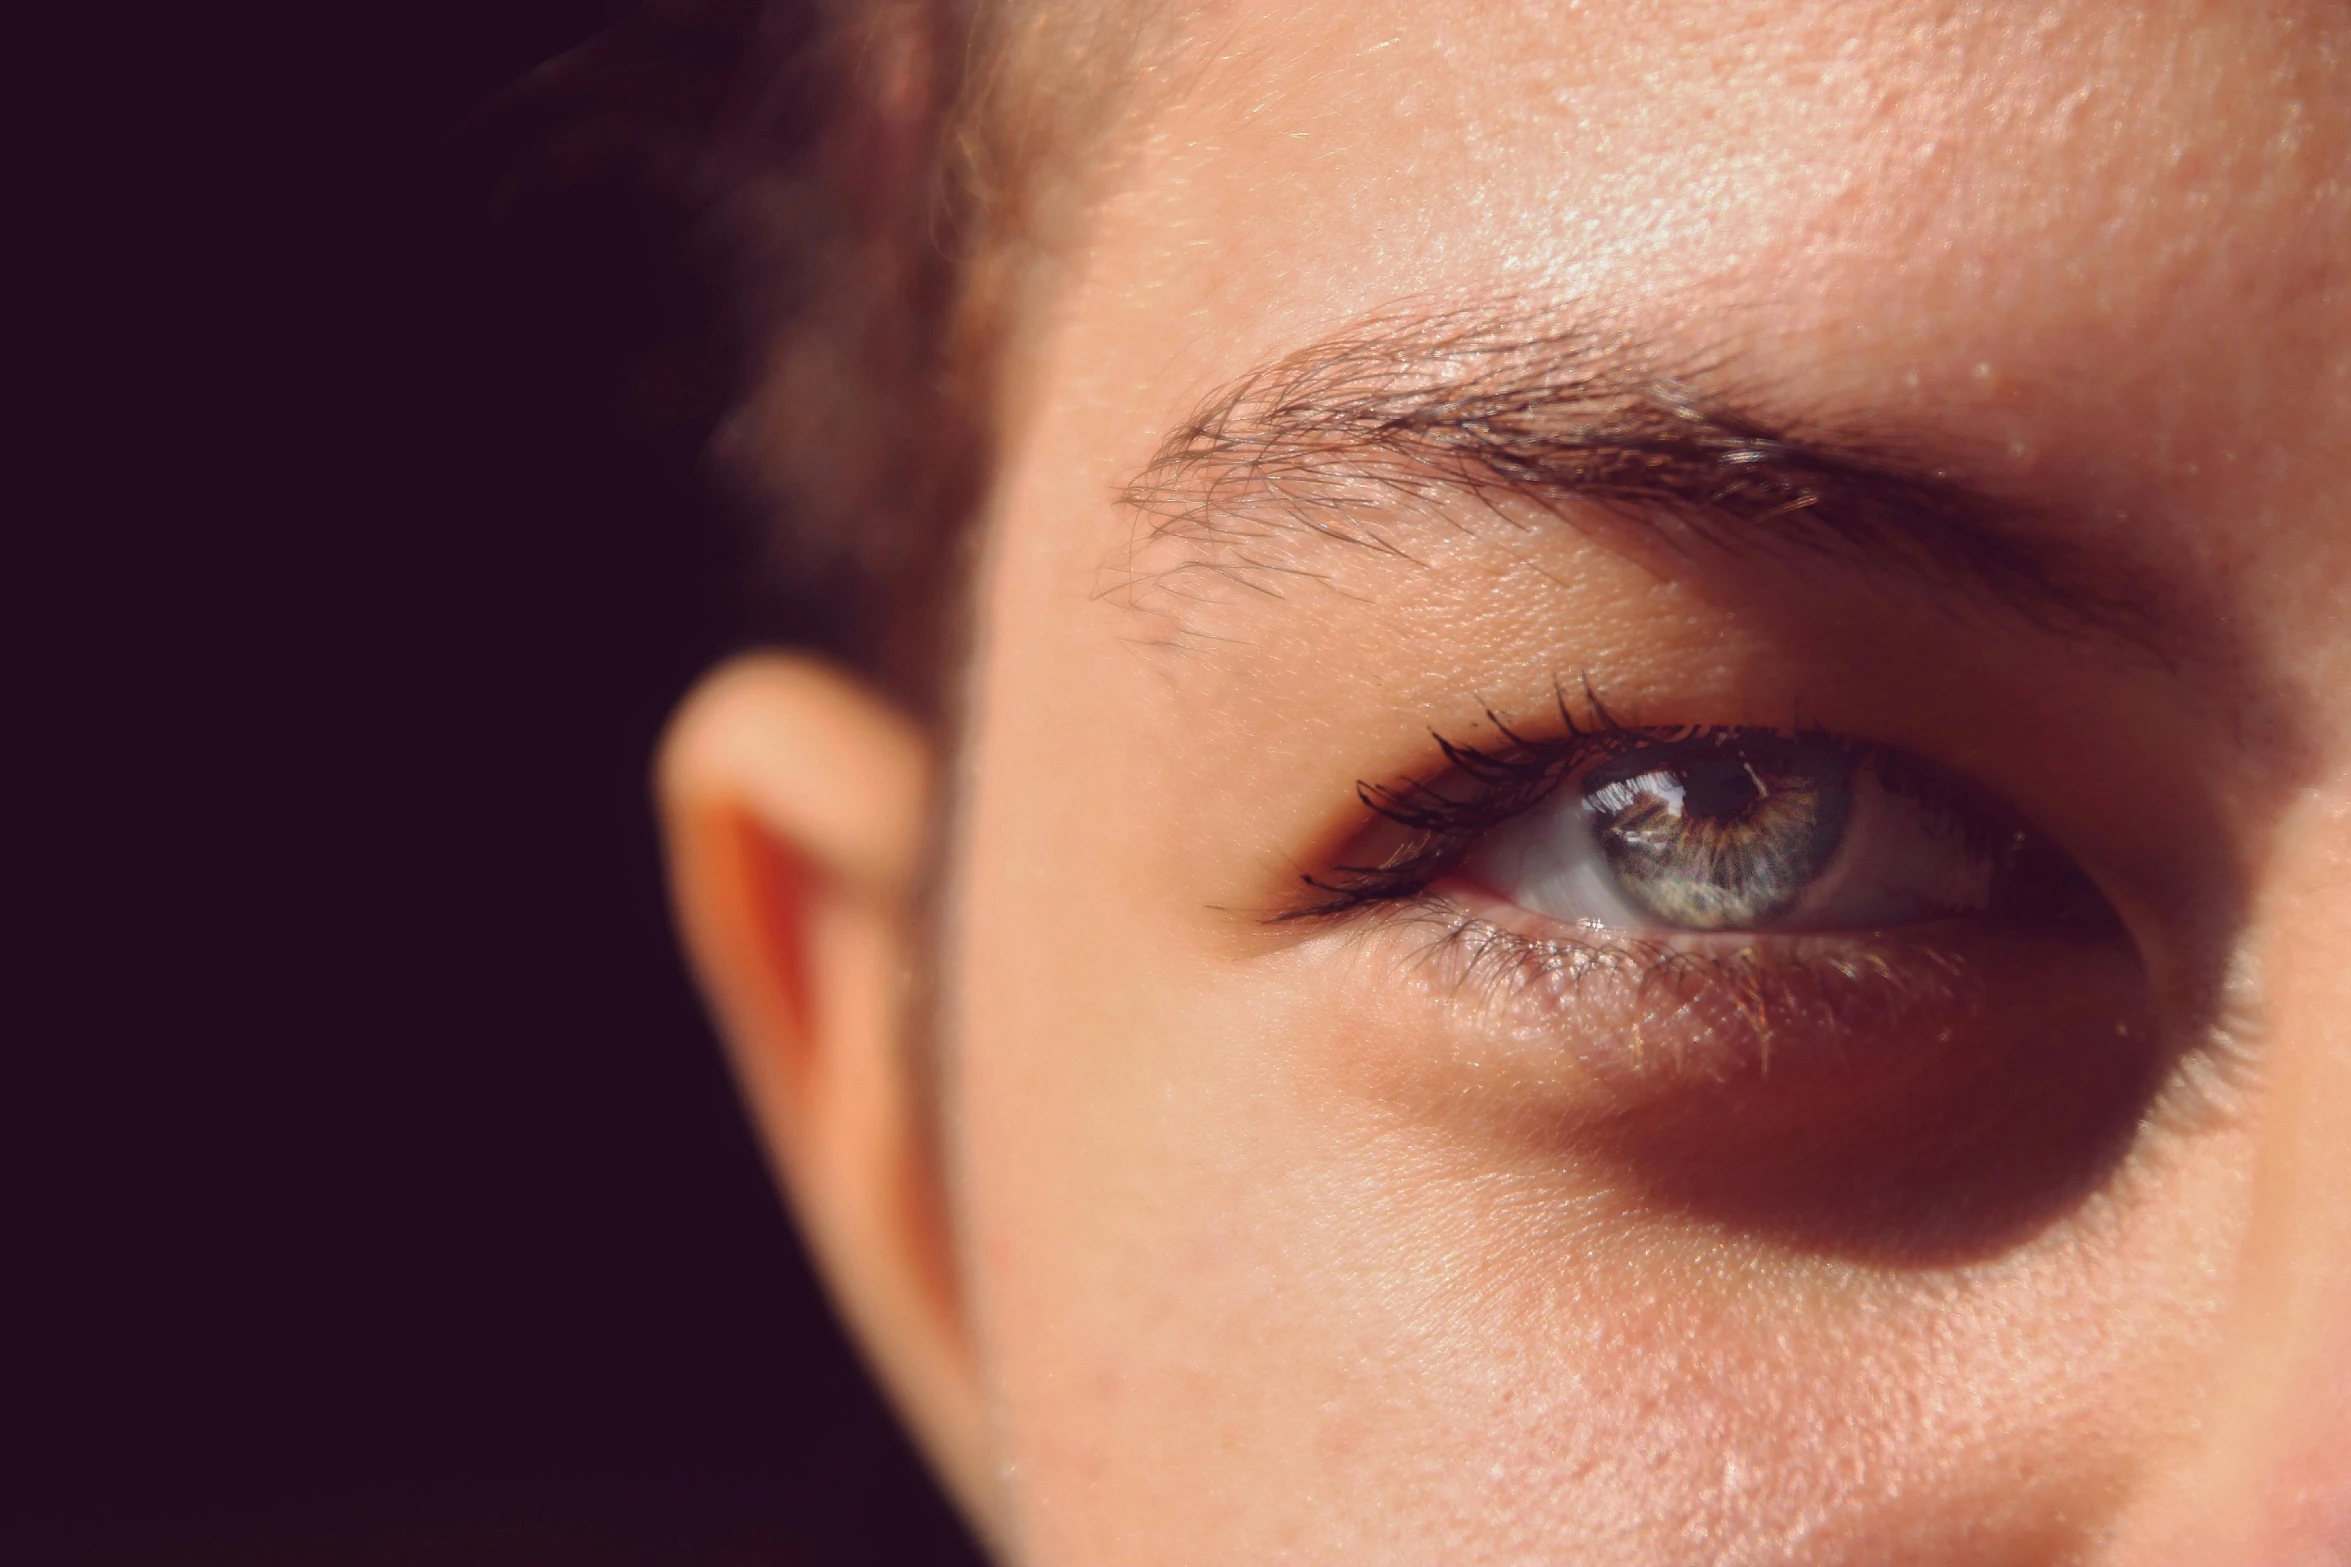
1467, 405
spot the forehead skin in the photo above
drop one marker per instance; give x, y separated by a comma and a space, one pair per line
2013, 201
1239, 1307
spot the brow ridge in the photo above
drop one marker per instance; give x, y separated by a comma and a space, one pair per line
1414, 412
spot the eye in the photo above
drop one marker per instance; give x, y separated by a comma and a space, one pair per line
1818, 990
1745, 830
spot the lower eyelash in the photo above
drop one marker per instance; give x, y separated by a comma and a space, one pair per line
1637, 1006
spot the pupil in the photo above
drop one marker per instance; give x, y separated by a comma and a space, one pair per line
1719, 786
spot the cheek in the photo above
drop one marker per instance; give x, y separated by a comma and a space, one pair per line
1250, 1282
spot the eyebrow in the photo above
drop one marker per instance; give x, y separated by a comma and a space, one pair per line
1416, 412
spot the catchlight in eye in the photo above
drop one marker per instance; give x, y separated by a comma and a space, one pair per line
1743, 830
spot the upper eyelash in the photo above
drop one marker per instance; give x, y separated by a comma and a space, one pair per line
1508, 779
1522, 772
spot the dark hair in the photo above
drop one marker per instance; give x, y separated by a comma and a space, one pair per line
807, 152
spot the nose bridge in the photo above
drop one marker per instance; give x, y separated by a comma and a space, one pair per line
2269, 1484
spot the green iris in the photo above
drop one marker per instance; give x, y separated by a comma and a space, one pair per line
1721, 833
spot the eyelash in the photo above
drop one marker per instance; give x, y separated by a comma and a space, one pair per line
1688, 1013
1506, 780
1695, 1006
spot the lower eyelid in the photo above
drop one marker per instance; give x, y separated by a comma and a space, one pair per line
1923, 1101
1645, 1011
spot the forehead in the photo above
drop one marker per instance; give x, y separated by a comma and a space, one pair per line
2110, 243
1568, 144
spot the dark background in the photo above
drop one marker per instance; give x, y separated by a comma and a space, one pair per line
377, 1193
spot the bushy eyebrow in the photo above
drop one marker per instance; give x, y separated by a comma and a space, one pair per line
1468, 407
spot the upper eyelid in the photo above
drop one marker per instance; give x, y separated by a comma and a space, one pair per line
1544, 764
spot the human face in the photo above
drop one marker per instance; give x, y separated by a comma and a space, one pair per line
1470, 1222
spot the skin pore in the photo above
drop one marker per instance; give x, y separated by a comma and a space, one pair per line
1441, 1228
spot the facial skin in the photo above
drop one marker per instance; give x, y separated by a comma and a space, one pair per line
1326, 1240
